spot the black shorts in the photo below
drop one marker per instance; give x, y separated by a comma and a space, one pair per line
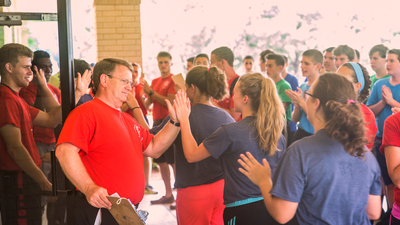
20, 198
252, 213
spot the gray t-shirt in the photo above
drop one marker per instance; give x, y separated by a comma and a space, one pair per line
330, 186
204, 120
226, 144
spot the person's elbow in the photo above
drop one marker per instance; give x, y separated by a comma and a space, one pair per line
374, 215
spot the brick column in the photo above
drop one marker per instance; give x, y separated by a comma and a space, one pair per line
118, 29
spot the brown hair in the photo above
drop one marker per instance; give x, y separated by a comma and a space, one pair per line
269, 109
10, 53
344, 119
345, 50
107, 66
211, 82
364, 93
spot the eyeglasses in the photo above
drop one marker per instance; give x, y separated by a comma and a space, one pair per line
308, 93
125, 81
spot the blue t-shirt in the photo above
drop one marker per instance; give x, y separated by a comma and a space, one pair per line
292, 80
226, 144
303, 121
204, 120
376, 96
331, 186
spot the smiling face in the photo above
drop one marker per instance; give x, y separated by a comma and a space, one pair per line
21, 73
45, 65
116, 89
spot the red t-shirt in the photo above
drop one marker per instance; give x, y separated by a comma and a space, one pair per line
29, 94
138, 90
111, 147
14, 110
227, 103
163, 86
391, 137
370, 125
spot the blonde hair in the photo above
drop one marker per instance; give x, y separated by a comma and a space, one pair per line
270, 113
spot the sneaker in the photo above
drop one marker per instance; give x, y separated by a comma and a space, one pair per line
149, 190
172, 206
163, 200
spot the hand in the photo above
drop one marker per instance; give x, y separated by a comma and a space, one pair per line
131, 100
253, 170
296, 97
39, 77
82, 82
387, 95
395, 110
182, 106
177, 87
45, 185
97, 197
146, 87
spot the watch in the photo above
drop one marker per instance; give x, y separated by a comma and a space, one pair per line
177, 124
151, 92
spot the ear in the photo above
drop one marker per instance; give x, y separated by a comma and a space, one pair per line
358, 85
172, 64
281, 68
316, 103
103, 80
319, 66
8, 67
245, 99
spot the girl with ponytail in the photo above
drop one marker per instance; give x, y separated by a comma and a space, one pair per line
200, 185
328, 177
259, 132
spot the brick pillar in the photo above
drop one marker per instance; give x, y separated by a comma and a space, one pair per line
118, 29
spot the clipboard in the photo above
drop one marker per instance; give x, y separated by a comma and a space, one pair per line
178, 79
123, 212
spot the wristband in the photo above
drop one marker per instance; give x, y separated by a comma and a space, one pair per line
137, 107
151, 92
177, 124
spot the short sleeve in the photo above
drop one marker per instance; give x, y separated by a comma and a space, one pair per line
288, 179
10, 113
283, 96
78, 130
218, 142
33, 111
373, 97
171, 89
391, 132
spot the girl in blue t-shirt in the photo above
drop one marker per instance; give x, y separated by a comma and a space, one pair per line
200, 185
260, 132
329, 177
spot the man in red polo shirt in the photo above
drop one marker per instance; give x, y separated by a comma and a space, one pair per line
223, 58
162, 88
20, 162
100, 147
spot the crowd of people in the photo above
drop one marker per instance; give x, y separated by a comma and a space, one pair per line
255, 148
